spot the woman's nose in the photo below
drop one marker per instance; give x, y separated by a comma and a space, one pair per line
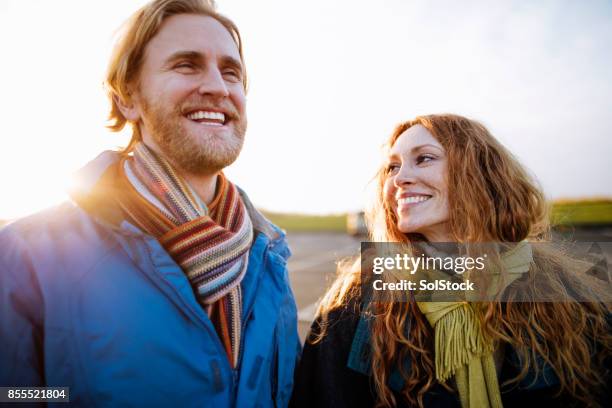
404, 176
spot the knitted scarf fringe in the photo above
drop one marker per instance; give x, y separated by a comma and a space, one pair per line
459, 339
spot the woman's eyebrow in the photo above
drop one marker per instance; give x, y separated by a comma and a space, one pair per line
392, 155
421, 147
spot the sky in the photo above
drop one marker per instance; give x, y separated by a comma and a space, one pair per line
329, 80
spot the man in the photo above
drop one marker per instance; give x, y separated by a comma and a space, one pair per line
159, 284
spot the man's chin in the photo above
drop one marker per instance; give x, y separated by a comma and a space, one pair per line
200, 149
205, 158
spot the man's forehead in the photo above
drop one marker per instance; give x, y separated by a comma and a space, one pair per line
194, 33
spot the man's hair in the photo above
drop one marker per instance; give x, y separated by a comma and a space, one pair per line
122, 75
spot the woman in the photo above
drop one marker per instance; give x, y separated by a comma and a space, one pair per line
448, 180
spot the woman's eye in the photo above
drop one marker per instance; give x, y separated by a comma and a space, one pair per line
392, 168
424, 158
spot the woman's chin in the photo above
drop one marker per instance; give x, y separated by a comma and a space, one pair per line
407, 228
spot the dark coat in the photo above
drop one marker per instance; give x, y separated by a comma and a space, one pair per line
335, 373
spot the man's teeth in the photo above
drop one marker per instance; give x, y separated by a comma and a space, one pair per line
412, 199
198, 115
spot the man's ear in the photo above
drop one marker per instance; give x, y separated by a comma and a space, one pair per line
128, 108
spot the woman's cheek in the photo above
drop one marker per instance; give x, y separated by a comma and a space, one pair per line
389, 196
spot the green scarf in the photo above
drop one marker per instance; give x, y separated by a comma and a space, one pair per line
461, 350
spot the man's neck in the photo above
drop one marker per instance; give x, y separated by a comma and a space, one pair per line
204, 186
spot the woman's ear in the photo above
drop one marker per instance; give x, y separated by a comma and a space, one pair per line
129, 109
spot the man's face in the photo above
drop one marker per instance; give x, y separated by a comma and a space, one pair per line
190, 100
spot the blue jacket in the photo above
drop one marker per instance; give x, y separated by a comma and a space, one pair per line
90, 302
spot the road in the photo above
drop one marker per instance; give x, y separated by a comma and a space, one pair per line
312, 268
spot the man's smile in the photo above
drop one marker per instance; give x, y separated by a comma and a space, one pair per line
210, 118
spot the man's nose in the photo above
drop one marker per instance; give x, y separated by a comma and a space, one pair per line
212, 83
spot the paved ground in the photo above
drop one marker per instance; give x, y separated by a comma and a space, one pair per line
312, 266
586, 234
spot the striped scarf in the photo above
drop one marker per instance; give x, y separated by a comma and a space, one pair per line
210, 243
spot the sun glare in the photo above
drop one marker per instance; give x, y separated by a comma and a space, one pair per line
30, 194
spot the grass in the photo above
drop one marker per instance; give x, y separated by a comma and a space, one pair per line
308, 223
582, 212
564, 212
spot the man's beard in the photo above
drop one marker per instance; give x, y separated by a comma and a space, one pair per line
205, 153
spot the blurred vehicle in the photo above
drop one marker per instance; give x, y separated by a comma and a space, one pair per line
355, 224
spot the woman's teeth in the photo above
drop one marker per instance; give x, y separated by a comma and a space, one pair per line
412, 199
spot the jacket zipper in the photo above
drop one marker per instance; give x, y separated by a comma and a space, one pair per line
201, 320
247, 316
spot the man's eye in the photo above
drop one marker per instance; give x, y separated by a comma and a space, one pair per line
424, 158
232, 75
184, 67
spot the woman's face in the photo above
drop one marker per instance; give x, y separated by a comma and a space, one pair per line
416, 186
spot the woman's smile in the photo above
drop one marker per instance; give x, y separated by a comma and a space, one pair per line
416, 186
407, 200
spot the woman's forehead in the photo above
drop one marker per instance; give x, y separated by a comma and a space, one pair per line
412, 139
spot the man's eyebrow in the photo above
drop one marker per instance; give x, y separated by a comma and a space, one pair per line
196, 56
231, 62
188, 55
